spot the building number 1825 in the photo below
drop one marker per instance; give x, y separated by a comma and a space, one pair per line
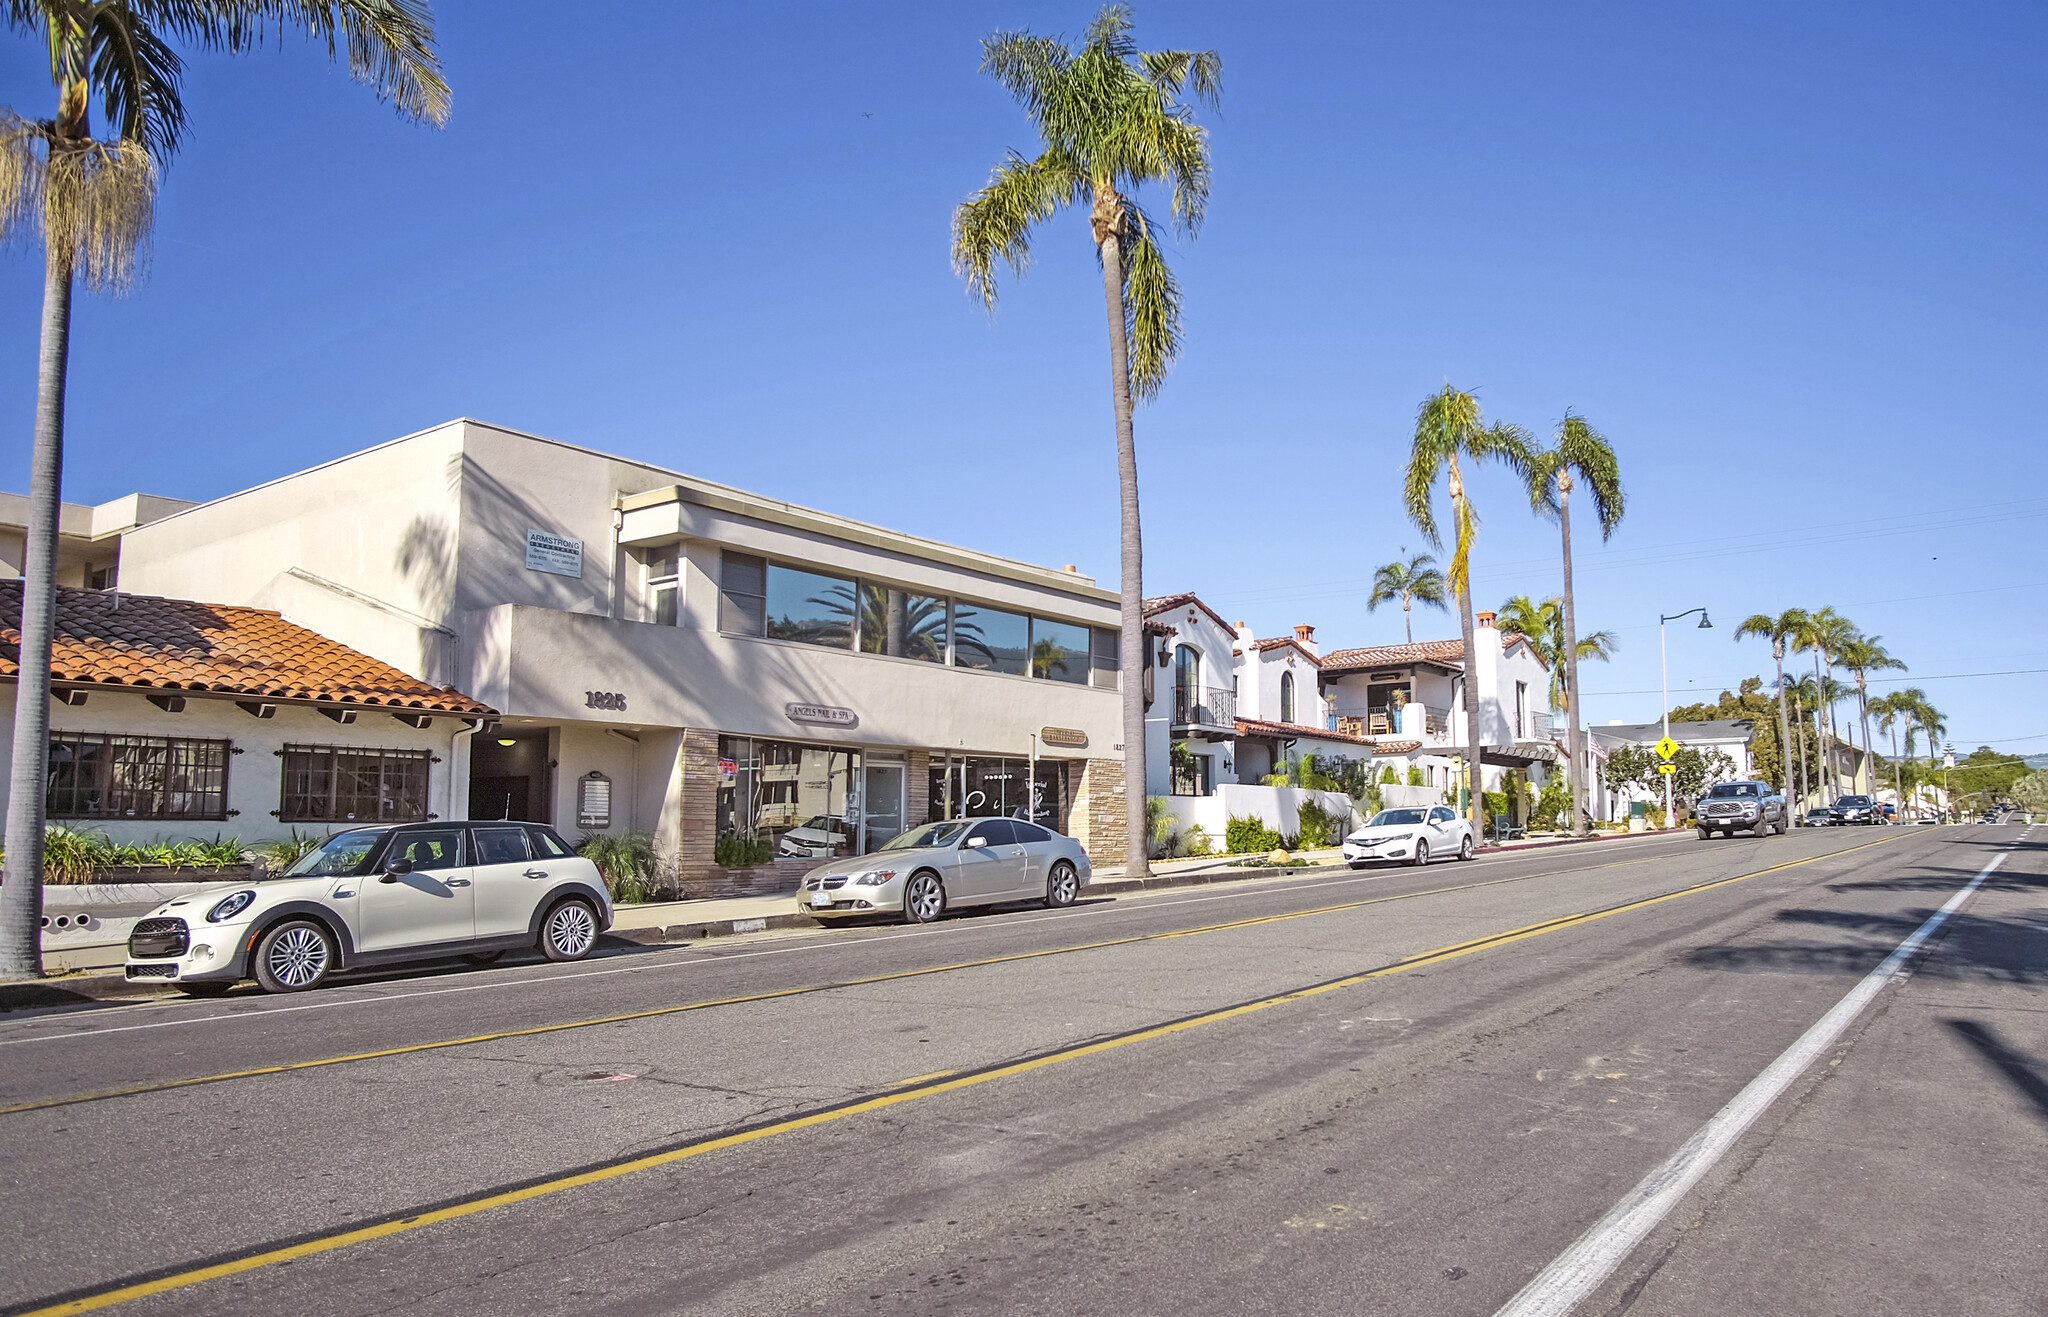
604, 700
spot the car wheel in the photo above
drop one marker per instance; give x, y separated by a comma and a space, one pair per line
483, 957
294, 956
569, 931
1421, 856
213, 989
1465, 848
924, 898
1762, 828
1706, 834
1062, 889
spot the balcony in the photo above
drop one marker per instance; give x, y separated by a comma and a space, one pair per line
1197, 710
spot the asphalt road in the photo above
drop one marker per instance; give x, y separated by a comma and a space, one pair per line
1396, 1091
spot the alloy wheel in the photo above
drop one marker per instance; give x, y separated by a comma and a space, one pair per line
1063, 888
572, 929
297, 956
1421, 854
923, 899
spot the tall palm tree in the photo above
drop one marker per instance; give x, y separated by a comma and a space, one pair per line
1449, 426
1864, 655
1580, 453
1936, 727
1111, 118
1825, 633
1780, 630
91, 202
1891, 710
1544, 625
1418, 578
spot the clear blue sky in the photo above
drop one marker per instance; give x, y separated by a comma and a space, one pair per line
1789, 258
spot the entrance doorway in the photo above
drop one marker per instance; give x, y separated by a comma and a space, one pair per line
509, 777
882, 793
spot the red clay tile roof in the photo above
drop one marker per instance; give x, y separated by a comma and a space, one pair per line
176, 644
1164, 602
1387, 656
1281, 642
1293, 731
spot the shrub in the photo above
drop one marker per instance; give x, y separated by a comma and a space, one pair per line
1319, 827
1196, 840
733, 851
1555, 800
627, 861
1415, 775
1244, 836
1389, 777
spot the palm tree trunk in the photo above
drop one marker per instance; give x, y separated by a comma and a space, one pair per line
1869, 755
1476, 780
1571, 660
1408, 617
1131, 564
21, 900
1784, 728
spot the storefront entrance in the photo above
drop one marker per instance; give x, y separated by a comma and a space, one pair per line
882, 798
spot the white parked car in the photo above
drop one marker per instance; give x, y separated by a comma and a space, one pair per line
821, 837
1414, 835
922, 873
378, 896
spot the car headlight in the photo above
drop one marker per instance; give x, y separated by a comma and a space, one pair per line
874, 878
229, 906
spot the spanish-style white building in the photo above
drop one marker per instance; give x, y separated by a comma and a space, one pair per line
724, 668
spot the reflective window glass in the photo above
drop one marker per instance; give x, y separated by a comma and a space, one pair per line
1059, 650
996, 832
500, 845
742, 593
427, 850
902, 624
990, 639
809, 607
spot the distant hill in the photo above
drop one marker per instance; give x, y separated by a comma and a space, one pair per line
2037, 761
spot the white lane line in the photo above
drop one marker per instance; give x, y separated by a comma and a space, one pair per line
369, 998
1580, 1269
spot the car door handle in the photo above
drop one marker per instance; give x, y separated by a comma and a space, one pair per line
536, 873
458, 882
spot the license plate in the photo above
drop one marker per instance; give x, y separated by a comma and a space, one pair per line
821, 898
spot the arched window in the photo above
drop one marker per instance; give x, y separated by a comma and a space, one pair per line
1286, 697
1187, 683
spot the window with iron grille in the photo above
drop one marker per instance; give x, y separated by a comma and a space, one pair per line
354, 784
98, 775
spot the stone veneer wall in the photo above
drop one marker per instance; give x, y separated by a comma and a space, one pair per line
917, 789
1098, 818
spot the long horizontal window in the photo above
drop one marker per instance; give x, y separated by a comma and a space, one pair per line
102, 776
757, 597
353, 784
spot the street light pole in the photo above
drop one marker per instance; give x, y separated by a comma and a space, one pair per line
1664, 665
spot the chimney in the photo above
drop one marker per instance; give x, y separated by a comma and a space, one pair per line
1072, 570
1305, 636
1486, 619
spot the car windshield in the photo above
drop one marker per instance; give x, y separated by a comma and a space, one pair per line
1394, 818
1733, 791
342, 853
822, 823
1854, 800
931, 834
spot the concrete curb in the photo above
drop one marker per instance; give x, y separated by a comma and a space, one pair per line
704, 928
73, 990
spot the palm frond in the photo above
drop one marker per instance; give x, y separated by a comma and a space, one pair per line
1029, 67
1174, 70
1151, 304
138, 75
1588, 454
995, 223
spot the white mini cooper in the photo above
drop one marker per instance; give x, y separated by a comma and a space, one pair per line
378, 896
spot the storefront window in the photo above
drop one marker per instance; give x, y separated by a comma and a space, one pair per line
787, 800
902, 624
1059, 650
970, 786
989, 639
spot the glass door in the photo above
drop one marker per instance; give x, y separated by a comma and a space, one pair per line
883, 797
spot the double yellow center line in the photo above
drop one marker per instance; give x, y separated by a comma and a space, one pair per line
912, 1092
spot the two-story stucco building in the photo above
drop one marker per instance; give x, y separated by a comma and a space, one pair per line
736, 674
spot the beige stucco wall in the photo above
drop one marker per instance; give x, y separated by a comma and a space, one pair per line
254, 776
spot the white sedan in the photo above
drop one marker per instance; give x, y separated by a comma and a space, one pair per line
1414, 835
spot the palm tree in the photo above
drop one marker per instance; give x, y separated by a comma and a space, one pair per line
1825, 633
1932, 723
1892, 710
91, 201
1580, 453
1780, 630
1864, 655
1544, 625
1111, 118
1449, 425
1408, 581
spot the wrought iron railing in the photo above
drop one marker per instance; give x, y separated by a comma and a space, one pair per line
1193, 707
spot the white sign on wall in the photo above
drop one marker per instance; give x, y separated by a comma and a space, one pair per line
555, 554
594, 801
825, 715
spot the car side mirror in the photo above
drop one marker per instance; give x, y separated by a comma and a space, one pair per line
393, 870
976, 843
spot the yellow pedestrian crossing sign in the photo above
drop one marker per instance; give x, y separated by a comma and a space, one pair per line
1666, 748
